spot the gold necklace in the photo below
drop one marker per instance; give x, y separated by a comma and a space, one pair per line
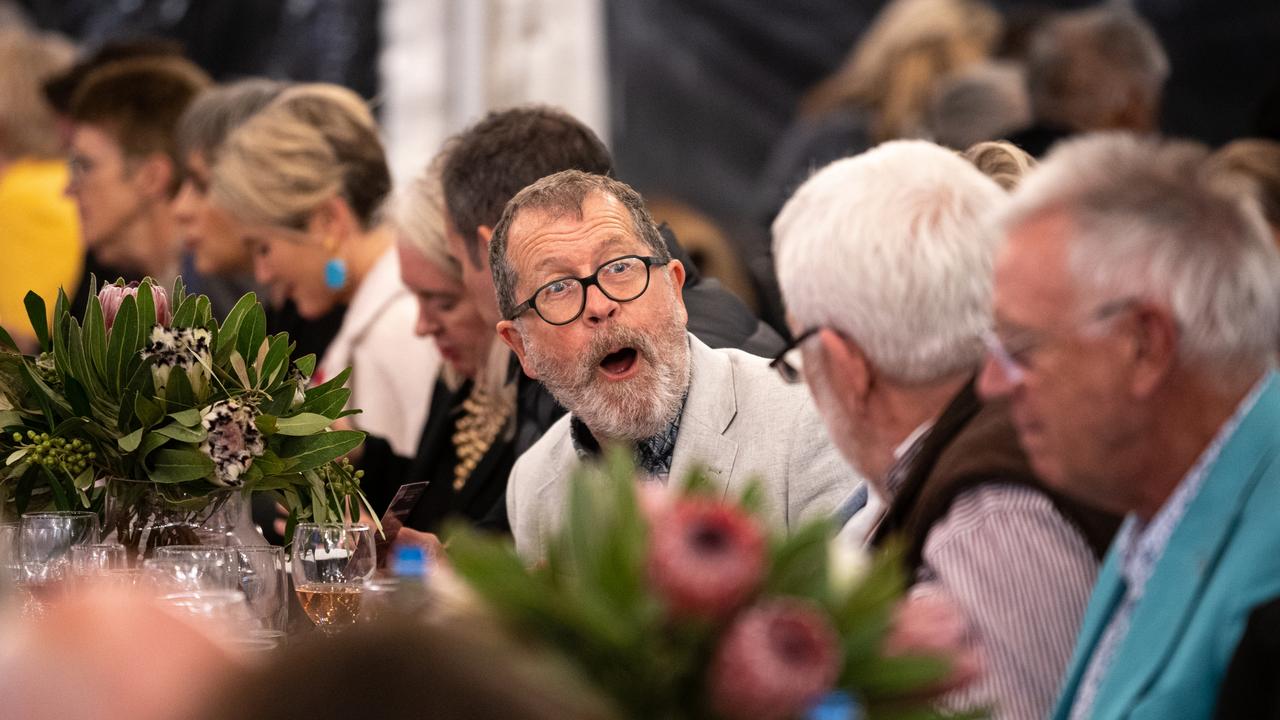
482, 419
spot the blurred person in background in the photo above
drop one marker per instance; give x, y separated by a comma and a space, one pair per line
1001, 161
1091, 70
466, 451
401, 669
124, 162
108, 655
883, 89
209, 232
980, 103
1258, 161
304, 178
214, 245
39, 232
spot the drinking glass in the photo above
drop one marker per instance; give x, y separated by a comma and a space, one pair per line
264, 579
331, 563
223, 613
97, 559
45, 541
192, 568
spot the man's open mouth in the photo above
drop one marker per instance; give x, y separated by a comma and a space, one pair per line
619, 363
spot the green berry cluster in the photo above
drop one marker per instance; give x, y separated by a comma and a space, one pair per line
348, 470
71, 456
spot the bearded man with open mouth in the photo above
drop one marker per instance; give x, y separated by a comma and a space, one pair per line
591, 303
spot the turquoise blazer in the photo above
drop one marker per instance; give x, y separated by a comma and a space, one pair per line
1222, 560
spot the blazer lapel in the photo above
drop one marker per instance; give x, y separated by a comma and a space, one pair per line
1190, 558
709, 410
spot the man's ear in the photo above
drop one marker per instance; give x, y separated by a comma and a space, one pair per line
849, 372
1155, 349
154, 175
510, 334
484, 234
676, 272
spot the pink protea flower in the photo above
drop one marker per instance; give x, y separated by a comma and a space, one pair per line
705, 558
111, 296
775, 661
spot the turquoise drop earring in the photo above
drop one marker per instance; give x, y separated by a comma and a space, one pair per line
335, 274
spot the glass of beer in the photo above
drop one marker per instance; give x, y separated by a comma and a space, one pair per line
331, 564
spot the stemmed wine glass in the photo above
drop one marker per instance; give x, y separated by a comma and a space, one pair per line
331, 563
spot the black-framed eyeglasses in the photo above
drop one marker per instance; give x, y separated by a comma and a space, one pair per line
562, 300
787, 362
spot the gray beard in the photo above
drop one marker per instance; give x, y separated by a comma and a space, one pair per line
631, 410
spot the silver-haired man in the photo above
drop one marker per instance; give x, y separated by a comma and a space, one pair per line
591, 303
1136, 305
885, 268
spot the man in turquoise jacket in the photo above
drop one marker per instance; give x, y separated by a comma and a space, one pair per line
1137, 301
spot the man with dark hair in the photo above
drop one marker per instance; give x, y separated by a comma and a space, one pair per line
504, 152
124, 165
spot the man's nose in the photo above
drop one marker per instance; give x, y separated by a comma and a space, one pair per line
599, 307
994, 381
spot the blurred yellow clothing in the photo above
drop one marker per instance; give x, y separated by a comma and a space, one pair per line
39, 239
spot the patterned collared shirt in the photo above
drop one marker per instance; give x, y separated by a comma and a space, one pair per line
1141, 546
653, 455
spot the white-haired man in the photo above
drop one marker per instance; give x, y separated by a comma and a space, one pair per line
592, 307
1136, 306
885, 269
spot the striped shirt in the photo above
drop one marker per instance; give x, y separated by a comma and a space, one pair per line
1021, 573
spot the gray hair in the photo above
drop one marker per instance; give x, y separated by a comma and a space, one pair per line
560, 195
1152, 220
1084, 65
211, 117
890, 248
983, 102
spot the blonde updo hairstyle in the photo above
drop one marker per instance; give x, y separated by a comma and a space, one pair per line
312, 143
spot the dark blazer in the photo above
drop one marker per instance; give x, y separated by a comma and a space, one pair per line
484, 491
1249, 689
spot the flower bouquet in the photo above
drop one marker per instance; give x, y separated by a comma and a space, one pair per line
679, 604
151, 411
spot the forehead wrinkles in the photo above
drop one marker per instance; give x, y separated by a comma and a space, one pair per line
535, 229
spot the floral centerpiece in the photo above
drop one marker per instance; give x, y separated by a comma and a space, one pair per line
151, 411
680, 604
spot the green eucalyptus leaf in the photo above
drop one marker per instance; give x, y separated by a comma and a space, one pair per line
189, 418
39, 317
150, 443
181, 433
330, 404
330, 385
181, 464
313, 451
120, 347
78, 397
130, 442
84, 481
276, 361
302, 424
306, 364
229, 331
95, 337
148, 411
266, 424
185, 315
146, 306
16, 455
178, 391
253, 330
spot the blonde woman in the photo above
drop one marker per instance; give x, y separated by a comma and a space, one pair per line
466, 451
304, 178
882, 90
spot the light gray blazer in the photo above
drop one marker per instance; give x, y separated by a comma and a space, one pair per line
740, 421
